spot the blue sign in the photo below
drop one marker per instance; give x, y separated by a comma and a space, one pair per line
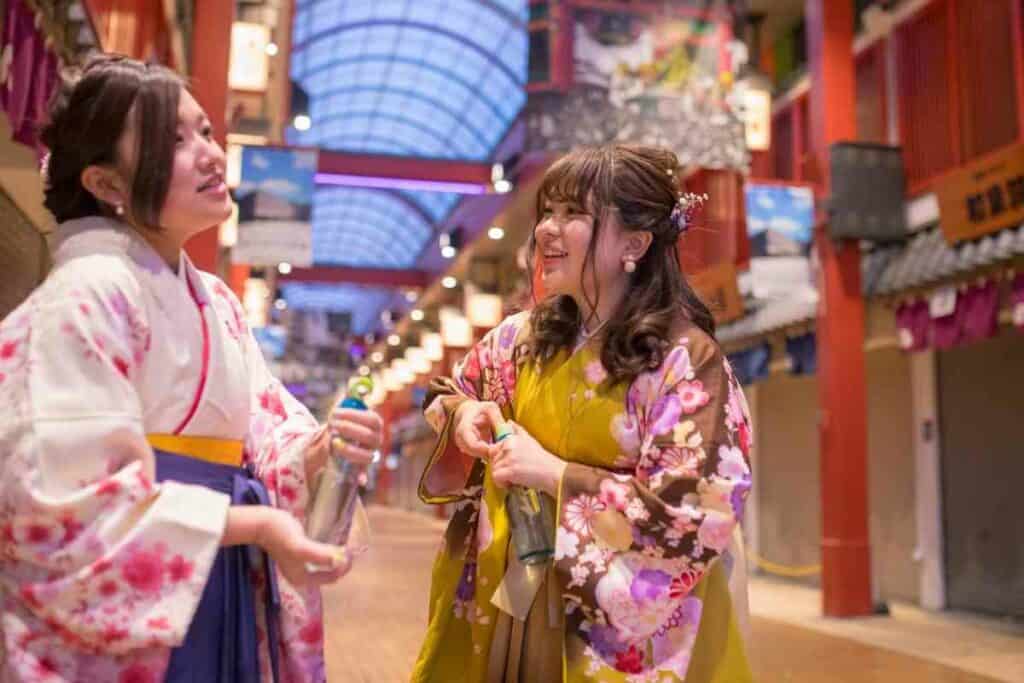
275, 206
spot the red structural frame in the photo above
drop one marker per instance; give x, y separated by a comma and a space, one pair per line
845, 545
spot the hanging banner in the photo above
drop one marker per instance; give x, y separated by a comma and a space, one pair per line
657, 76
780, 226
275, 200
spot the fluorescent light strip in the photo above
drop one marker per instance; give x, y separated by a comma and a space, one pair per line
398, 183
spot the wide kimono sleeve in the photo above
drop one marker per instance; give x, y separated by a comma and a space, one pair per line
91, 548
281, 429
632, 544
487, 373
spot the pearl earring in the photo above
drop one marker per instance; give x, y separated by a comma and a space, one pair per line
119, 209
629, 266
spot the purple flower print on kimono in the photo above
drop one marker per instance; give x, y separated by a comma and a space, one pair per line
642, 602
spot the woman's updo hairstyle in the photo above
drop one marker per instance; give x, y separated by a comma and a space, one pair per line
90, 111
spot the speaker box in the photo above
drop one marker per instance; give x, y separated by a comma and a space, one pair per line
867, 199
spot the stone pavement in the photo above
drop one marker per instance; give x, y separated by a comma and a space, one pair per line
376, 618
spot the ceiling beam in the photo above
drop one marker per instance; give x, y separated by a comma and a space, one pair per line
406, 168
379, 277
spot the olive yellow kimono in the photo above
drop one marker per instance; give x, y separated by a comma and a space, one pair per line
647, 512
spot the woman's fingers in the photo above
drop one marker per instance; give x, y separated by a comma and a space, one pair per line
367, 418
355, 433
353, 453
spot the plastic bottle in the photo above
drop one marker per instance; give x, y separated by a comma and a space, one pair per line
530, 517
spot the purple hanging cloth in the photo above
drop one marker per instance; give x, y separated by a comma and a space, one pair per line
28, 72
1017, 301
947, 331
981, 312
912, 325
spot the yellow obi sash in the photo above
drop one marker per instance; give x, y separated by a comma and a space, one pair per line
205, 448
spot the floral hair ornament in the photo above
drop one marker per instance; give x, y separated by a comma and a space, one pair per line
685, 209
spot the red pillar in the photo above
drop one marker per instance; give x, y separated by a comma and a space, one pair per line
845, 550
211, 56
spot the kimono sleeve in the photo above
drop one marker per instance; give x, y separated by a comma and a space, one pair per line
486, 373
631, 546
89, 543
281, 429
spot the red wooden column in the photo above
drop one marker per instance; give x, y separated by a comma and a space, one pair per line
211, 55
845, 550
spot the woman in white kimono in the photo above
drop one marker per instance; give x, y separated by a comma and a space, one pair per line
144, 444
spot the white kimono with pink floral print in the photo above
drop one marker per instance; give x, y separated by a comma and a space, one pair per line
101, 568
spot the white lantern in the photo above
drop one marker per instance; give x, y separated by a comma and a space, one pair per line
389, 380
455, 328
417, 358
433, 346
403, 371
483, 310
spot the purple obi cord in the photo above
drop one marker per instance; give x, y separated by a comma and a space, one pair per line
221, 644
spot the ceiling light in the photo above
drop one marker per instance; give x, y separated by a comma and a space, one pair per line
272, 49
394, 340
416, 314
284, 268
496, 233
377, 357
449, 282
302, 122
448, 252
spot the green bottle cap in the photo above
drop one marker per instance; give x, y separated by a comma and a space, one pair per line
360, 387
502, 431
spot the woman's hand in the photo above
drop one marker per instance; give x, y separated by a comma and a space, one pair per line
355, 434
302, 561
286, 542
519, 459
352, 434
474, 425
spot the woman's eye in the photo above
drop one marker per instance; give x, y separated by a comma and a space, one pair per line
207, 131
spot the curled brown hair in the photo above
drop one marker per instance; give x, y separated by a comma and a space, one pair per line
89, 113
640, 185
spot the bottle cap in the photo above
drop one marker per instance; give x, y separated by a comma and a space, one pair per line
360, 387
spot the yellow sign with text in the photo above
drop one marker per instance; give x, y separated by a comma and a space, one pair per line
983, 197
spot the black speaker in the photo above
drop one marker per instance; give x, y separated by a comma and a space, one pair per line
868, 192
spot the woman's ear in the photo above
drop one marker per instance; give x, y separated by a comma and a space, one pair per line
637, 244
105, 185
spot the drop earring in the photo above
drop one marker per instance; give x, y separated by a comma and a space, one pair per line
629, 266
119, 209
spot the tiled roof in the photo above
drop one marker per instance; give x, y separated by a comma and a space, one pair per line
926, 259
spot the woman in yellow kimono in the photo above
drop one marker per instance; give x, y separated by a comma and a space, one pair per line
627, 414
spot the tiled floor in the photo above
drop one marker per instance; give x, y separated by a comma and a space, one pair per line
376, 618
